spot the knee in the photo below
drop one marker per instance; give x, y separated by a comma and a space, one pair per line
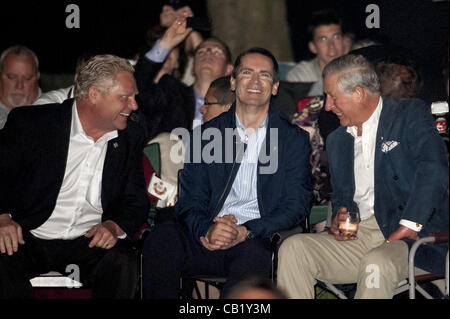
291, 247
377, 263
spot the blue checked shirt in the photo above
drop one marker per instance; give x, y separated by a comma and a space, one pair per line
242, 201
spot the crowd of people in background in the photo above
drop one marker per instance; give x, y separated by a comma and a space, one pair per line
354, 135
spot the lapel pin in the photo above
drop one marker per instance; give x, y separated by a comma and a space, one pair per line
116, 145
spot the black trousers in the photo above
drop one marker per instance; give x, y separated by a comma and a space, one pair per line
169, 253
112, 273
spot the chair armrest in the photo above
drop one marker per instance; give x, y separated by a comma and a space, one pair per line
278, 237
440, 237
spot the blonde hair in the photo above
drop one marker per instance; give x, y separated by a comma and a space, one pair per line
101, 71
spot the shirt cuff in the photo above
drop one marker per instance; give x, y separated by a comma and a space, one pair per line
122, 236
157, 54
411, 225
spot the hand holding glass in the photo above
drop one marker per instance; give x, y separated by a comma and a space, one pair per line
348, 224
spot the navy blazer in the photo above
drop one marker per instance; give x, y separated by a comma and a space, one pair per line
411, 179
34, 146
283, 197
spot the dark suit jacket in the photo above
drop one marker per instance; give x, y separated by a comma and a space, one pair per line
34, 146
411, 179
284, 193
163, 106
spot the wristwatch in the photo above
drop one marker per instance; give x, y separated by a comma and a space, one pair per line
250, 234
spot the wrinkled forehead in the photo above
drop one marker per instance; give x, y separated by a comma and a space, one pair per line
13, 62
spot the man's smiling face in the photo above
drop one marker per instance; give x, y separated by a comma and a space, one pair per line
254, 83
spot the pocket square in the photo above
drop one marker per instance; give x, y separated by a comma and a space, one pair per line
389, 146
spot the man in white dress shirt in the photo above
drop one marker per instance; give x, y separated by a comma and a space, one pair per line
388, 162
73, 191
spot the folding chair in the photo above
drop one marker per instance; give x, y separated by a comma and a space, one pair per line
413, 282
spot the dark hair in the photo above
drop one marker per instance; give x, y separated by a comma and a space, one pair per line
262, 51
398, 81
320, 18
222, 90
224, 46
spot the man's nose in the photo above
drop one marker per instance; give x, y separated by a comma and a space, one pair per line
19, 83
328, 103
133, 104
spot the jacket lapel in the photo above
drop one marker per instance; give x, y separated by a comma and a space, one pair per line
61, 138
387, 118
111, 172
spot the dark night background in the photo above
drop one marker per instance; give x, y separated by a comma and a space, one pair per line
119, 28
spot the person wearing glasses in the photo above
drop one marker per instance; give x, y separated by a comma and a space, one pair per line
169, 103
218, 99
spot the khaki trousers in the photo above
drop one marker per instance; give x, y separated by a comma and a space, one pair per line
375, 266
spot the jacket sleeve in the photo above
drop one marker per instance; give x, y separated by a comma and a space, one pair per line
133, 205
428, 152
191, 208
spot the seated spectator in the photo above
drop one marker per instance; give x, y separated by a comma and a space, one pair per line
19, 79
388, 163
170, 104
224, 221
218, 99
326, 42
72, 186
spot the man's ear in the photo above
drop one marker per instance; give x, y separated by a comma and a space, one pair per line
229, 69
93, 94
359, 93
275, 88
232, 83
312, 47
227, 107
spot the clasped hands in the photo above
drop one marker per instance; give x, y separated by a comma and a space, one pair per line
224, 234
104, 235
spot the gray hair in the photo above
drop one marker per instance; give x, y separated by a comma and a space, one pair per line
19, 50
101, 71
354, 70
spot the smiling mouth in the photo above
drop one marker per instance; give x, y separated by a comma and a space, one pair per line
124, 114
253, 91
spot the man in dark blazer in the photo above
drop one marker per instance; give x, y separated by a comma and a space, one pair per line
388, 162
257, 184
72, 187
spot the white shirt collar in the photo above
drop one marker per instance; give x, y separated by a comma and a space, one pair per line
77, 128
371, 124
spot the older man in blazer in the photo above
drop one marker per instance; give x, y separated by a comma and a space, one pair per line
388, 162
72, 187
